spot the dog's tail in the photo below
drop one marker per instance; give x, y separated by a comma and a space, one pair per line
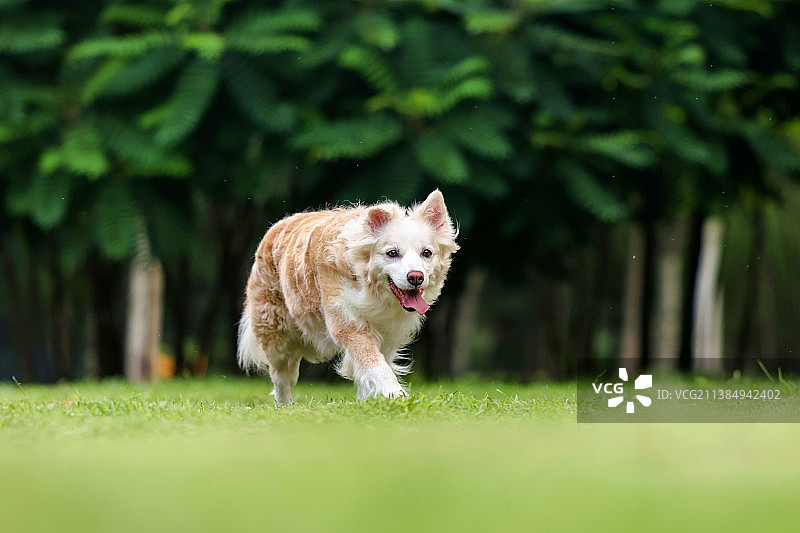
249, 353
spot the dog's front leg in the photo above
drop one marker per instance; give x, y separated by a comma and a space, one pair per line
365, 365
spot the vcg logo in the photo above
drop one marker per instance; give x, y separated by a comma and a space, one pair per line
644, 381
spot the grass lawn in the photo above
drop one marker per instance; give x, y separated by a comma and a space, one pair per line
216, 455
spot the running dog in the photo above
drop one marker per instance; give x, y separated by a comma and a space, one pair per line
355, 281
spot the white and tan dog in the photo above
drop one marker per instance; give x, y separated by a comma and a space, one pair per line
355, 281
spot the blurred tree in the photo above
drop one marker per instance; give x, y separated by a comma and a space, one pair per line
549, 125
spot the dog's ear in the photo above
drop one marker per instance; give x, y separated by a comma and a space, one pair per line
434, 211
377, 218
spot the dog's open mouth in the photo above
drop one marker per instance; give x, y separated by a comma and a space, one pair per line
410, 299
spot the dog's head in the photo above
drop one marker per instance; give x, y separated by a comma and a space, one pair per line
406, 252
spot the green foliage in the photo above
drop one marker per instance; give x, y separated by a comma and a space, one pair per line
494, 21
82, 151
144, 16
256, 96
540, 120
116, 218
119, 77
44, 198
120, 46
369, 64
377, 29
351, 138
591, 195
138, 151
626, 147
712, 81
445, 97
32, 34
194, 91
442, 158
272, 31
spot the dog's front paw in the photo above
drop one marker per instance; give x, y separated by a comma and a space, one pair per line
397, 394
378, 380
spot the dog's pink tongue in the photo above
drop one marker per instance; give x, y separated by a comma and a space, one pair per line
413, 300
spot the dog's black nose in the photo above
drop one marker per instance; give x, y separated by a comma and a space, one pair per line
415, 277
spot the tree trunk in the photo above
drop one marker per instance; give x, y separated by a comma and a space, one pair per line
60, 331
145, 302
179, 300
632, 340
707, 344
106, 293
235, 228
91, 357
767, 308
591, 305
689, 290
21, 323
648, 292
747, 334
666, 320
466, 316
546, 342
439, 344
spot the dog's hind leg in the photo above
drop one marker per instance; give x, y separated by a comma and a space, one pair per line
282, 356
284, 372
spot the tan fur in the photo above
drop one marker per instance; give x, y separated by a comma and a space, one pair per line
315, 290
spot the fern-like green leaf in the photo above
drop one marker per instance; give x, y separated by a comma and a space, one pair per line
44, 197
371, 66
124, 46
627, 147
138, 151
774, 151
173, 166
494, 21
589, 194
357, 138
123, 76
683, 141
469, 89
82, 151
144, 16
268, 44
254, 93
32, 34
712, 81
272, 31
550, 37
442, 158
206, 44
50, 197
276, 22
466, 68
554, 7
101, 77
114, 219
488, 182
550, 93
377, 29
480, 130
193, 94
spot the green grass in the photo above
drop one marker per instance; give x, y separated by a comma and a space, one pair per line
216, 455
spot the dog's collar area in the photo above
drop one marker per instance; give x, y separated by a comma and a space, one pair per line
410, 299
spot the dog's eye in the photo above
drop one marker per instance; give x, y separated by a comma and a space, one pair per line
427, 252
392, 253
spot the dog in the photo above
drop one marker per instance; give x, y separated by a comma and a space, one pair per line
353, 281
